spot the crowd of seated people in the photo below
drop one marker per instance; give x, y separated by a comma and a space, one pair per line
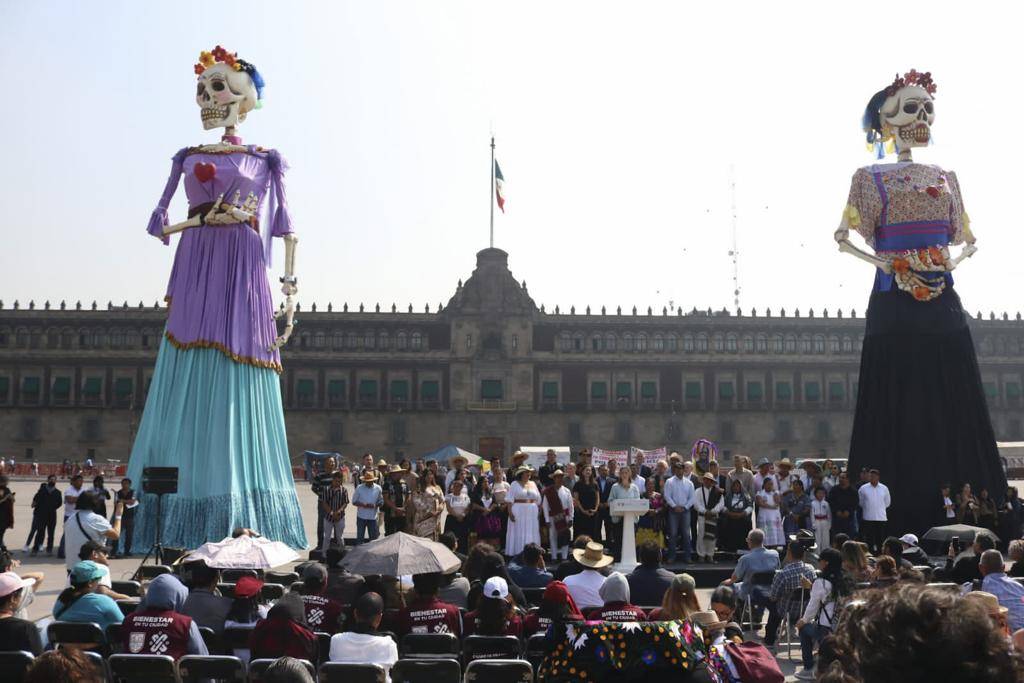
838, 606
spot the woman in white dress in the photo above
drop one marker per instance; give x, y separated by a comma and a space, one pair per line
523, 513
769, 518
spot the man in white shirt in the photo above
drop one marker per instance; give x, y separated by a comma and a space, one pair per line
71, 494
784, 476
764, 471
85, 525
363, 644
678, 495
874, 500
585, 587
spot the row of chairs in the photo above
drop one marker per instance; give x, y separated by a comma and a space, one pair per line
127, 668
413, 645
151, 571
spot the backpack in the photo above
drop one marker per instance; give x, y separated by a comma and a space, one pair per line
754, 663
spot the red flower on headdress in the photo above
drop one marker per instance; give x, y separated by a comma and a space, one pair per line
199, 69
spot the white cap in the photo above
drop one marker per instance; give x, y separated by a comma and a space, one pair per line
496, 587
909, 539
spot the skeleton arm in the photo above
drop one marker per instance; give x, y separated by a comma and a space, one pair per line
221, 213
842, 237
289, 287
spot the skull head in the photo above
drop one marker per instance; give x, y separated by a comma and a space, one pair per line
224, 96
909, 113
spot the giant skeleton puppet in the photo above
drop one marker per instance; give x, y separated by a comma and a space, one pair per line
921, 417
214, 409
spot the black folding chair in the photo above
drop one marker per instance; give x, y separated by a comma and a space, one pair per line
343, 672
14, 664
142, 669
115, 638
151, 571
132, 589
490, 647
196, 668
536, 649
87, 636
233, 575
214, 643
236, 638
258, 667
430, 645
127, 606
323, 647
226, 589
284, 578
273, 591
758, 579
499, 671
534, 596
426, 671
98, 663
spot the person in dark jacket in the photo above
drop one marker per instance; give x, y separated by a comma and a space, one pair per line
45, 504
844, 501
649, 581
964, 568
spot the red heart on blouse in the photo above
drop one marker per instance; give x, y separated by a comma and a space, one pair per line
204, 172
932, 191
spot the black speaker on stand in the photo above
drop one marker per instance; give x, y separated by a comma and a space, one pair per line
158, 481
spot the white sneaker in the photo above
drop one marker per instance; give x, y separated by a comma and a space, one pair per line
26, 549
805, 675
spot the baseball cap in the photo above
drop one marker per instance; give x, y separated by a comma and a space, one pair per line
248, 587
85, 571
496, 587
10, 582
909, 539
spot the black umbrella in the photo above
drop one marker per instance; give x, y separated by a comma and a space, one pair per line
398, 555
939, 537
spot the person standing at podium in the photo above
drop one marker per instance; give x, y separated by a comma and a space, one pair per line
625, 488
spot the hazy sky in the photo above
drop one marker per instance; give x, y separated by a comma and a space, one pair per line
616, 125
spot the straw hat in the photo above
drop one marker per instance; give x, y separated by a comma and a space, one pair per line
518, 455
762, 462
785, 462
382, 463
592, 556
368, 476
989, 601
523, 468
710, 477
394, 469
557, 473
708, 620
455, 458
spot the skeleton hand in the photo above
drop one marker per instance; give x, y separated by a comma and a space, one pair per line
288, 312
968, 251
216, 216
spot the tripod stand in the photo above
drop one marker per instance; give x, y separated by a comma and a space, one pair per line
159, 481
156, 551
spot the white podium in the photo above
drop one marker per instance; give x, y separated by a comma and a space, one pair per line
630, 509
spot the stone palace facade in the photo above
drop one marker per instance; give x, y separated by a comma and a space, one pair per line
489, 371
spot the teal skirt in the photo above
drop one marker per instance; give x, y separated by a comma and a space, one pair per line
222, 425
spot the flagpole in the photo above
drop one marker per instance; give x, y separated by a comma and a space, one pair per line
492, 192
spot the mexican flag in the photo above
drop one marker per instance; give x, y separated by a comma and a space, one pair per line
499, 186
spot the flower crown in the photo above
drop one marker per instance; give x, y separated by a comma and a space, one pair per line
219, 55
913, 77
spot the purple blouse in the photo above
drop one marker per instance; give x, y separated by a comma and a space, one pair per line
218, 291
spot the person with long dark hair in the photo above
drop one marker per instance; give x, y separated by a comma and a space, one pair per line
820, 616
586, 500
495, 614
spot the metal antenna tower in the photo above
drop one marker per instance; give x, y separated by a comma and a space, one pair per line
734, 253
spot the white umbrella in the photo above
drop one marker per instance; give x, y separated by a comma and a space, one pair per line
244, 552
400, 554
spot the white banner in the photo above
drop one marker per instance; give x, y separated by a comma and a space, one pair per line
651, 457
599, 456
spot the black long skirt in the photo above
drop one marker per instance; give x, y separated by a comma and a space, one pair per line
921, 417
